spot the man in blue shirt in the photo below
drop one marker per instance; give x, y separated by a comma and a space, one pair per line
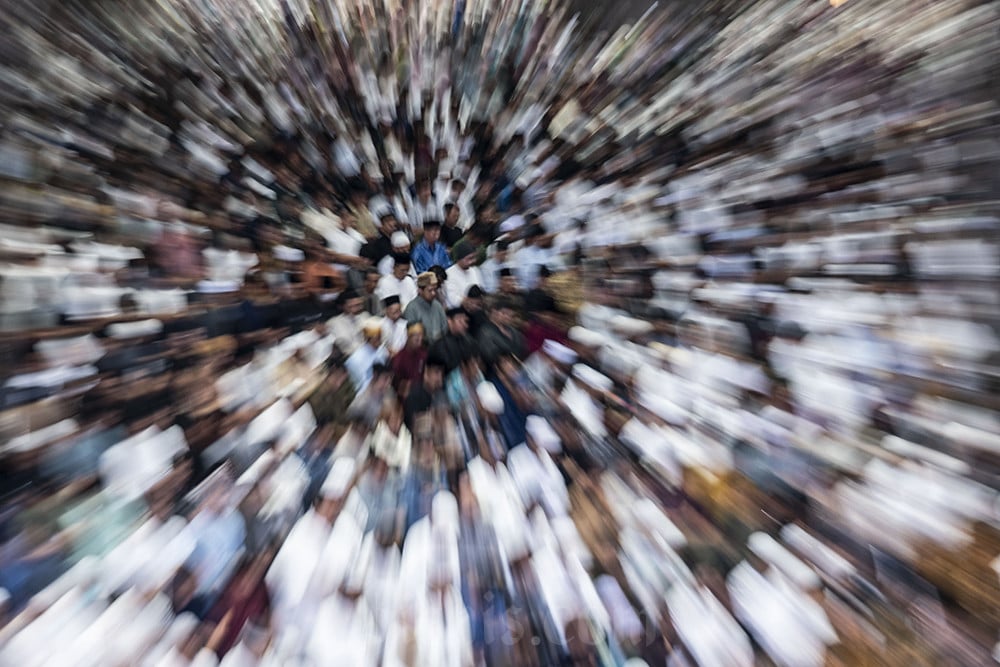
430, 251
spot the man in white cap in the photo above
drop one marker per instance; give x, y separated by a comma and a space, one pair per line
550, 365
535, 474
400, 246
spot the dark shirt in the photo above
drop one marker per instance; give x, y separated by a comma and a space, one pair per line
450, 235
495, 343
540, 301
453, 350
407, 366
377, 248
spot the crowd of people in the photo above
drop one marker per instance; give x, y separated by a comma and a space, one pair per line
453, 333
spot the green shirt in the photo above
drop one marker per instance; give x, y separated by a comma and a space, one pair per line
431, 315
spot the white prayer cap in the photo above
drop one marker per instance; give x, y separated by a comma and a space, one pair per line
4, 597
592, 378
444, 509
543, 434
124, 330
636, 662
586, 337
823, 556
513, 223
559, 352
769, 550
490, 398
286, 254
205, 658
630, 326
399, 240
338, 481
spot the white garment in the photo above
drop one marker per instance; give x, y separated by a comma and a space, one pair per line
405, 289
348, 331
394, 334
458, 283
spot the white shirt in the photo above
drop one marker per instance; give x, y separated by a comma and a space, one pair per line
394, 334
458, 283
405, 289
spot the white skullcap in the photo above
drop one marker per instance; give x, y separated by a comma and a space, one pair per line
630, 326
286, 254
444, 509
586, 337
592, 378
543, 434
123, 330
337, 482
399, 239
4, 596
559, 352
490, 398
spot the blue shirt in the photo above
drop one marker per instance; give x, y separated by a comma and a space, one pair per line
424, 257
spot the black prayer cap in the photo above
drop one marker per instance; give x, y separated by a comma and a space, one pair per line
390, 300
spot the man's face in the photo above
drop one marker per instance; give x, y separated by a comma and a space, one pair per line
451, 217
394, 312
389, 224
466, 262
459, 324
371, 282
508, 284
415, 339
429, 293
400, 270
353, 306
433, 378
432, 234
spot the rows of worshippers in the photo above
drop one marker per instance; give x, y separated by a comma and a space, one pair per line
359, 506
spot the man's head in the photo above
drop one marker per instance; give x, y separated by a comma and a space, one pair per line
432, 231
433, 374
473, 299
427, 285
457, 187
373, 331
352, 302
387, 222
451, 212
371, 280
544, 273
400, 265
414, 335
458, 321
503, 247
392, 307
502, 313
424, 191
465, 255
400, 242
508, 282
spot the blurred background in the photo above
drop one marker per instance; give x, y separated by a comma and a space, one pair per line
398, 332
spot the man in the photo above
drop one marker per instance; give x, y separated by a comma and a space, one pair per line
425, 206
400, 246
499, 337
426, 308
510, 290
462, 275
371, 302
451, 233
381, 245
347, 327
367, 405
539, 299
331, 399
393, 325
361, 362
473, 305
426, 393
408, 365
398, 283
430, 251
455, 346
490, 269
